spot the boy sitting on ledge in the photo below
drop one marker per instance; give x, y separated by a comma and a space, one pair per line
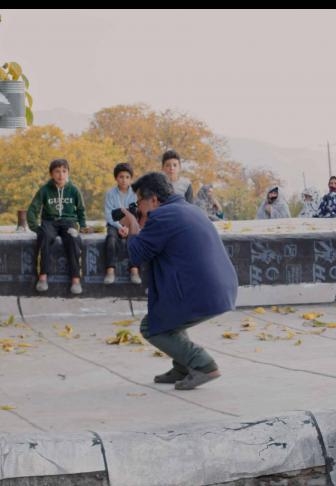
61, 207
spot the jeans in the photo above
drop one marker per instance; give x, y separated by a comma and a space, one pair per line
47, 234
177, 344
114, 244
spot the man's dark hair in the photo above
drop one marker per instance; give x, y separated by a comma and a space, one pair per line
153, 184
170, 154
123, 167
58, 163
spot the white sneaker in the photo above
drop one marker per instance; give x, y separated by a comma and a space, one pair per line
42, 286
135, 278
109, 278
76, 288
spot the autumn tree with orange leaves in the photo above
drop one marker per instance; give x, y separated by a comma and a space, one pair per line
133, 133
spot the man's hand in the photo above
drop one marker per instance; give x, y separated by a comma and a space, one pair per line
123, 231
268, 208
130, 222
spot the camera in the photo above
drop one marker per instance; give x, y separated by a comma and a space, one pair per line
117, 214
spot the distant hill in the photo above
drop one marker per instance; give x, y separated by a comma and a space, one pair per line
288, 163
69, 121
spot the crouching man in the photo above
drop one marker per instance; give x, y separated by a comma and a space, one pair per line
191, 277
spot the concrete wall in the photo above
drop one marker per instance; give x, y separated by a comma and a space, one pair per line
291, 260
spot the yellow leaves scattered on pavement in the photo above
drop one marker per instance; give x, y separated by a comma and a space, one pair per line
248, 324
7, 408
290, 334
159, 354
230, 335
125, 322
124, 337
134, 394
310, 316
66, 332
9, 345
298, 342
259, 310
282, 310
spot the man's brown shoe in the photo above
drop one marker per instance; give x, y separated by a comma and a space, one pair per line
196, 378
171, 376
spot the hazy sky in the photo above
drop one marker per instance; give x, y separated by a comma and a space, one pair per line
268, 75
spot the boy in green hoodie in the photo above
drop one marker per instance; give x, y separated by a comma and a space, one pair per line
59, 205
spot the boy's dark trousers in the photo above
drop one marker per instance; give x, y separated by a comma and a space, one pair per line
46, 235
113, 245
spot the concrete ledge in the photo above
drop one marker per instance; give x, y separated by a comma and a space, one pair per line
314, 293
277, 261
192, 455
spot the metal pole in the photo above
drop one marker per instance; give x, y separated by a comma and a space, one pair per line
329, 161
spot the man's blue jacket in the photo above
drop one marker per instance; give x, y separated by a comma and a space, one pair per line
190, 273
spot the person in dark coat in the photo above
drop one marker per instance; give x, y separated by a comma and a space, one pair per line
191, 277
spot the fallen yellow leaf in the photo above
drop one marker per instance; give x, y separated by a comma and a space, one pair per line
67, 331
259, 310
124, 337
230, 335
8, 408
310, 316
249, 326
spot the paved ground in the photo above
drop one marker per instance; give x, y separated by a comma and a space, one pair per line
58, 380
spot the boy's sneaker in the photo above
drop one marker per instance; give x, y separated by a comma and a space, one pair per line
171, 376
76, 288
109, 278
42, 286
135, 278
196, 378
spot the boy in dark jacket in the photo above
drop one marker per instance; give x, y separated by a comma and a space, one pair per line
60, 206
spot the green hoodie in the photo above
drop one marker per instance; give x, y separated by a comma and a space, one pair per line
56, 203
